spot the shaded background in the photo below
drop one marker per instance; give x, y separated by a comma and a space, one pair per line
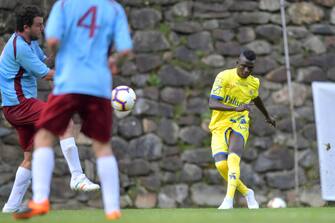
163, 147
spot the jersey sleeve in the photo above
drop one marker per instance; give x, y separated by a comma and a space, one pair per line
41, 53
55, 23
30, 61
122, 39
218, 87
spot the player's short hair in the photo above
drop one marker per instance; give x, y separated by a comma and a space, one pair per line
249, 54
25, 16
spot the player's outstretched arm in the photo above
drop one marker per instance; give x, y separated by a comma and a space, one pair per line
114, 60
260, 105
216, 105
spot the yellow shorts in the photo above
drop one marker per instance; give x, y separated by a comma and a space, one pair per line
220, 136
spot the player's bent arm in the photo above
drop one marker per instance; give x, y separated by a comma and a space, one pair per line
50, 61
47, 59
49, 75
124, 53
114, 60
30, 61
214, 104
53, 44
260, 105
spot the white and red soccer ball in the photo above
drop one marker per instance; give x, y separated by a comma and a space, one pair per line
123, 98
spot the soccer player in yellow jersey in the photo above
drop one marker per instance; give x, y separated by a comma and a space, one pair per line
234, 92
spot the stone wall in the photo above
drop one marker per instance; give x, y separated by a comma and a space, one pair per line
163, 147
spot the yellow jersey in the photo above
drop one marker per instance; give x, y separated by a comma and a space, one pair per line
232, 90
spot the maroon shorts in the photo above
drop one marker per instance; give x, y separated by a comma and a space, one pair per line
95, 112
23, 118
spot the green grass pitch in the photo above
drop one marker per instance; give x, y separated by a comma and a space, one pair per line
191, 215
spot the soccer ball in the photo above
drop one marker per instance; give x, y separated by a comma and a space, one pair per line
276, 202
123, 98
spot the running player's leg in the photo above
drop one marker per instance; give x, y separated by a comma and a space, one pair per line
235, 145
42, 165
97, 123
220, 154
107, 169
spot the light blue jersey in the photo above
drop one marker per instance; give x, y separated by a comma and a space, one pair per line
21, 63
86, 30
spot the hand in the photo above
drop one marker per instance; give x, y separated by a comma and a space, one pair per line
112, 63
243, 107
271, 121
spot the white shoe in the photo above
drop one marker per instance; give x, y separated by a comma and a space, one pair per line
82, 183
7, 209
251, 201
227, 203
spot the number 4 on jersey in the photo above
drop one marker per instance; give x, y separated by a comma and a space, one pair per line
92, 26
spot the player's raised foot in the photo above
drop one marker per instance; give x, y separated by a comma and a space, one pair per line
82, 183
114, 215
7, 209
251, 200
227, 203
32, 209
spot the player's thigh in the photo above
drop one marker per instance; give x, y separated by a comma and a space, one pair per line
26, 135
96, 118
236, 143
219, 144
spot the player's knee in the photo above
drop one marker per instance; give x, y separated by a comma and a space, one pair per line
102, 149
233, 161
43, 138
222, 165
220, 157
26, 163
236, 149
70, 125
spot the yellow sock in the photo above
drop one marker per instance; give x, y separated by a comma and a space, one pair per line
233, 174
222, 167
